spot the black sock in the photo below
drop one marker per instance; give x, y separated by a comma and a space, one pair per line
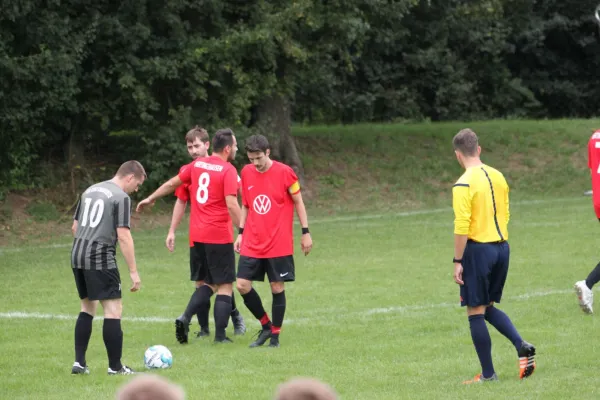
254, 304
278, 312
83, 332
222, 311
483, 344
113, 340
499, 320
593, 277
197, 303
234, 310
203, 310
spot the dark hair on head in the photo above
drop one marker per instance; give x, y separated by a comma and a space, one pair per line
131, 167
223, 138
466, 142
257, 144
197, 132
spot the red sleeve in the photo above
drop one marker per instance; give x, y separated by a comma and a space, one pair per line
290, 180
185, 173
183, 192
590, 153
230, 183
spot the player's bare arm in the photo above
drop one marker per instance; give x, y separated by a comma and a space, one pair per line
306, 240
238, 241
460, 242
74, 227
166, 188
234, 209
178, 212
128, 251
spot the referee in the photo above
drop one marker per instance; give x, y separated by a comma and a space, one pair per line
481, 254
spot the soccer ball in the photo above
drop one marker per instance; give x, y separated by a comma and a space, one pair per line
158, 357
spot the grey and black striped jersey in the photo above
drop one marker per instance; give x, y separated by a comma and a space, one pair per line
102, 209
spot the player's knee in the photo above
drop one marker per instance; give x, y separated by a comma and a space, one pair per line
225, 289
113, 308
277, 287
199, 284
243, 286
476, 310
89, 307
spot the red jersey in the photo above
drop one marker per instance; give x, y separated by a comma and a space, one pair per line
210, 180
183, 191
594, 165
268, 231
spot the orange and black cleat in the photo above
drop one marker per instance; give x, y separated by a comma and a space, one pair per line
526, 360
479, 378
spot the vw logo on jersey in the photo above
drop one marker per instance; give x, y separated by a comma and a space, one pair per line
262, 204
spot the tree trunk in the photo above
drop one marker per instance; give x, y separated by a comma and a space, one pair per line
274, 121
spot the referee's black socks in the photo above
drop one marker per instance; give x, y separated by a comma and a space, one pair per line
113, 340
83, 332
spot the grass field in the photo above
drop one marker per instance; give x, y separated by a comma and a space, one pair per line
374, 313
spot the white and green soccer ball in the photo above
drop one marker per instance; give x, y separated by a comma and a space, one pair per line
158, 356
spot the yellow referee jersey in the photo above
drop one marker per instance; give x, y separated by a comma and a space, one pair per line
480, 202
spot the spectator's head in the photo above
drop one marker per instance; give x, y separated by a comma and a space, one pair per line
150, 387
304, 389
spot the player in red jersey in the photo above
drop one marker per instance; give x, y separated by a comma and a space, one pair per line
213, 185
584, 288
197, 140
270, 192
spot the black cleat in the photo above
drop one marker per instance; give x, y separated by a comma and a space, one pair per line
203, 333
262, 337
526, 360
79, 370
223, 340
125, 370
239, 328
182, 328
274, 342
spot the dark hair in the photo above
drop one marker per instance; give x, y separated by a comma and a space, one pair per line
466, 142
257, 144
223, 138
131, 167
197, 132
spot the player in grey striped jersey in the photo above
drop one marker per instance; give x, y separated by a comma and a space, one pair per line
101, 220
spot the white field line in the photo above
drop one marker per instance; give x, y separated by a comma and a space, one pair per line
364, 313
348, 218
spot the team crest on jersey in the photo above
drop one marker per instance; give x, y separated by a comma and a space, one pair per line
262, 204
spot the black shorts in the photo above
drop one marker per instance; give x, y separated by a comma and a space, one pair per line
278, 269
218, 260
485, 268
197, 266
104, 284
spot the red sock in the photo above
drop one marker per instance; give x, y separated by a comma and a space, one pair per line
265, 321
275, 330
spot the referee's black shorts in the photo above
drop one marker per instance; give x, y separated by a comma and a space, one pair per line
485, 268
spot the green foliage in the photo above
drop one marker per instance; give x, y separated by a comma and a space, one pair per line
127, 81
43, 211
